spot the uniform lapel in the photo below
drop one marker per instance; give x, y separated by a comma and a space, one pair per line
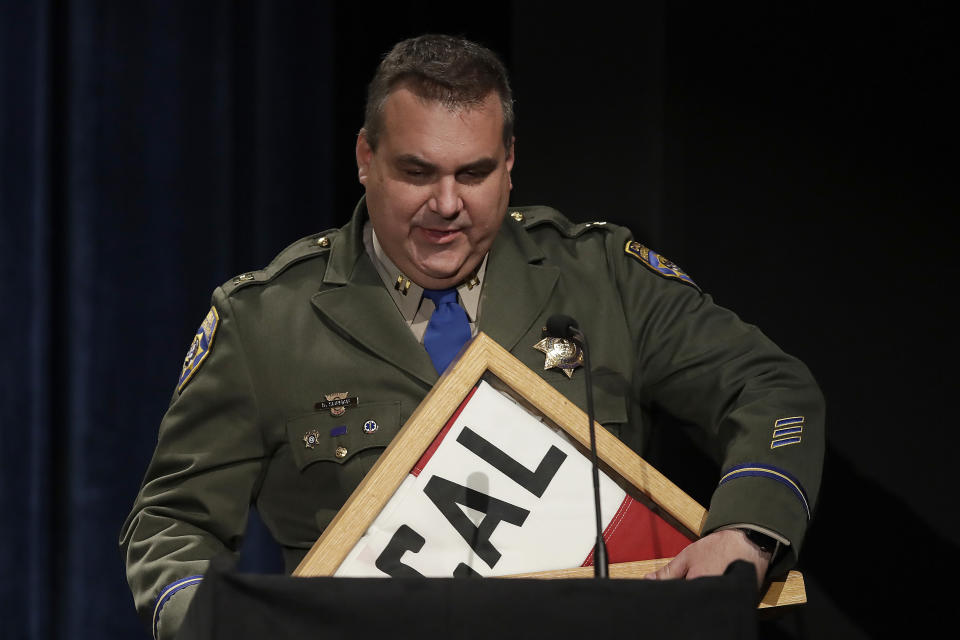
361, 308
517, 287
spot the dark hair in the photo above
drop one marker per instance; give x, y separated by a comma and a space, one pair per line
453, 71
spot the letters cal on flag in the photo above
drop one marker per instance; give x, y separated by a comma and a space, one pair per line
497, 493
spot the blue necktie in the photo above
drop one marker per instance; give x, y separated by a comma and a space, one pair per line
448, 329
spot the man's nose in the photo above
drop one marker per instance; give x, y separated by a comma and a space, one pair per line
446, 198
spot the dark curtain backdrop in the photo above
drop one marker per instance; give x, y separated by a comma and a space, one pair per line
150, 151
798, 161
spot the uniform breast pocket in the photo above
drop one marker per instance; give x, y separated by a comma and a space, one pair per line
609, 400
322, 438
610, 410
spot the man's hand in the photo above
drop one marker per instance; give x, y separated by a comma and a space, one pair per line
710, 555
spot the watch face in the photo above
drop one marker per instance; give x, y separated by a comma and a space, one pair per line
765, 542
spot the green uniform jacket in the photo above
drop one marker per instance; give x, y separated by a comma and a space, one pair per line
318, 320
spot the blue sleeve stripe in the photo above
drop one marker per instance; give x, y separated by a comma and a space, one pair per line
166, 593
787, 431
752, 469
783, 422
782, 442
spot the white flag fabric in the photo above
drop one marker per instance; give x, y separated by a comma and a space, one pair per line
498, 493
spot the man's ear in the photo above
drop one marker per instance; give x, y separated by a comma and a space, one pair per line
509, 162
364, 156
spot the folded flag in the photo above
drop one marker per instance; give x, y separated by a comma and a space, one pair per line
499, 492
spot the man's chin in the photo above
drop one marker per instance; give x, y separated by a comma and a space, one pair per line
440, 281
441, 276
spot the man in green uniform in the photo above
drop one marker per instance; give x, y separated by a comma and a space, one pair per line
303, 372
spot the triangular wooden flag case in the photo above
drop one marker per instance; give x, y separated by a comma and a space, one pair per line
669, 513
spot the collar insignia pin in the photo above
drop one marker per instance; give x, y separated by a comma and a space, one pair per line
473, 281
402, 284
560, 353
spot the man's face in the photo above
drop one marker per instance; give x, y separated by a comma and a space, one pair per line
437, 185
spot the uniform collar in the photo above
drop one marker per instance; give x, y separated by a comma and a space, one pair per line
516, 287
406, 293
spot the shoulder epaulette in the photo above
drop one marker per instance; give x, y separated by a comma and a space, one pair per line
309, 247
532, 217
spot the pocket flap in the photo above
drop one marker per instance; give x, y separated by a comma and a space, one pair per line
323, 437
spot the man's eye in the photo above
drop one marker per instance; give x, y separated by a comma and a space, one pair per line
417, 174
473, 176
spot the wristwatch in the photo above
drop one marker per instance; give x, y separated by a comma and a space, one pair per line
762, 540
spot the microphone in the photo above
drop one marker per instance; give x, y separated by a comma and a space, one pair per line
561, 326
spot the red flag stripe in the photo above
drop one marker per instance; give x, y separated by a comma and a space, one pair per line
637, 533
425, 458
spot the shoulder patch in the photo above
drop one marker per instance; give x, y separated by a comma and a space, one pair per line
199, 348
657, 263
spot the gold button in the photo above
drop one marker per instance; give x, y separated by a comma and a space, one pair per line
341, 452
516, 215
323, 241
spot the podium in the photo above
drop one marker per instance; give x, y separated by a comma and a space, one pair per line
234, 606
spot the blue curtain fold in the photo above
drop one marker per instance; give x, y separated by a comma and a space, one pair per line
26, 503
148, 152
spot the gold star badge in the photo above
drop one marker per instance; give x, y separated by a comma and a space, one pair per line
311, 439
563, 354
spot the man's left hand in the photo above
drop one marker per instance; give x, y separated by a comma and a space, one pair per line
710, 556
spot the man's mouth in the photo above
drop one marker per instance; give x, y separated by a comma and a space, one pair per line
439, 236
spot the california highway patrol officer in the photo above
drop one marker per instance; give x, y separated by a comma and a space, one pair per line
302, 372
